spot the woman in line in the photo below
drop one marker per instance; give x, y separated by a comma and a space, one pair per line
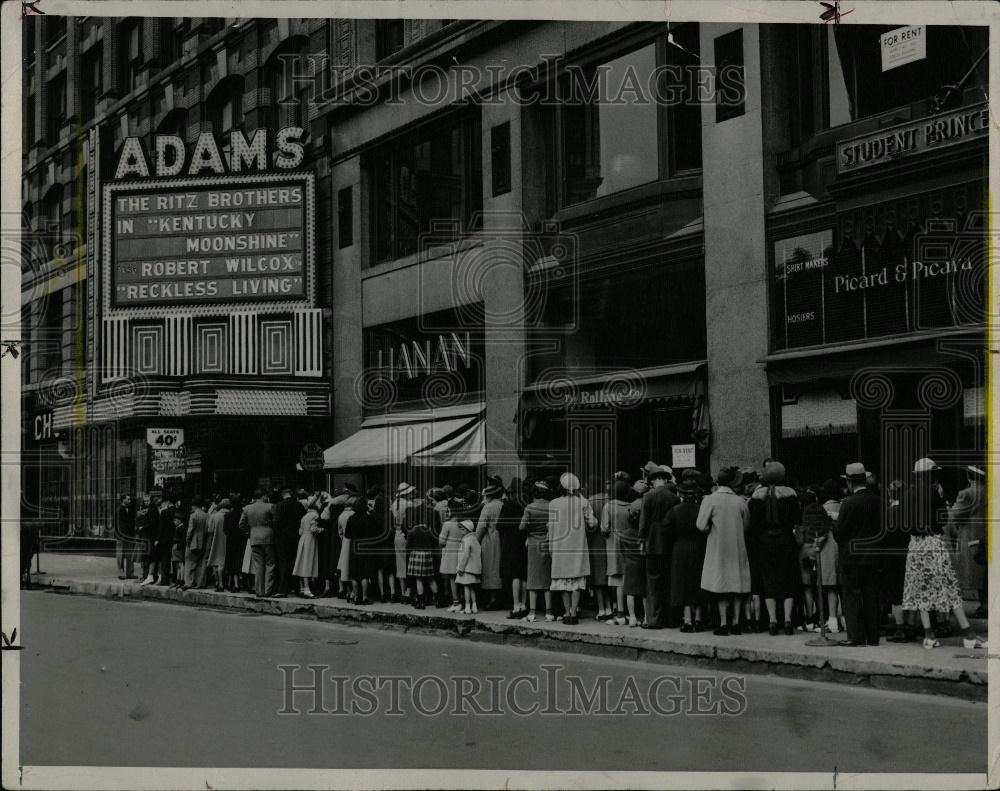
534, 524
569, 518
688, 556
513, 552
598, 548
344, 561
614, 524
489, 540
774, 513
723, 515
930, 582
362, 533
306, 566
217, 548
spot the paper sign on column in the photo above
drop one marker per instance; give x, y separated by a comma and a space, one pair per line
683, 456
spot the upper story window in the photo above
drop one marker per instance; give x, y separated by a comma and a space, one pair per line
132, 53
91, 82
287, 84
226, 107
432, 176
388, 37
56, 119
859, 84
55, 29
629, 119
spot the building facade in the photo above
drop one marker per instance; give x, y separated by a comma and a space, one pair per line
551, 244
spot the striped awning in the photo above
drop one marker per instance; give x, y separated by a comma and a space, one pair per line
465, 449
394, 439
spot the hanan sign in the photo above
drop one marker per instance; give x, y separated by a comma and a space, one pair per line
928, 134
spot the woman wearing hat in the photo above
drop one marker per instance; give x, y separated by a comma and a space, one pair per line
217, 551
569, 518
723, 515
534, 523
774, 513
397, 510
688, 555
598, 546
930, 582
306, 566
615, 528
489, 541
513, 553
470, 565
344, 561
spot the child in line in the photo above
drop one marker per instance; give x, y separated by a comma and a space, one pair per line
451, 539
177, 550
470, 566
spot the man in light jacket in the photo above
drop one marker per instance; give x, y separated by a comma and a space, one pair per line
257, 522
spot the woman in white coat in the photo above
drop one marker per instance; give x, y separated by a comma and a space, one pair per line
570, 516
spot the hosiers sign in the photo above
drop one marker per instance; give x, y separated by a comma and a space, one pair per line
891, 283
436, 358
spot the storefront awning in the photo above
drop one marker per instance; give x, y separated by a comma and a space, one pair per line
465, 449
671, 384
393, 439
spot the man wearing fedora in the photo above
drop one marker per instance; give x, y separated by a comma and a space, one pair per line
857, 530
969, 511
654, 541
257, 522
288, 513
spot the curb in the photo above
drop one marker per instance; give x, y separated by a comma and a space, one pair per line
959, 682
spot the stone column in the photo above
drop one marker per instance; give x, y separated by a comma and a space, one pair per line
736, 265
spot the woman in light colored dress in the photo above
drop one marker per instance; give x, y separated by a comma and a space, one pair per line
217, 546
534, 522
725, 517
569, 518
306, 566
614, 521
489, 541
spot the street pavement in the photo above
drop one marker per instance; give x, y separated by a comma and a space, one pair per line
142, 683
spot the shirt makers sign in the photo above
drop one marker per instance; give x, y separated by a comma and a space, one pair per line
207, 228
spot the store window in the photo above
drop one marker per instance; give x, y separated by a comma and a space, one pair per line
55, 30
650, 317
915, 264
862, 82
431, 179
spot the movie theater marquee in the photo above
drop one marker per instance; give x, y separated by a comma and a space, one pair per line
208, 244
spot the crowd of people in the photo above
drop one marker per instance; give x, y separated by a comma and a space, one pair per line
742, 551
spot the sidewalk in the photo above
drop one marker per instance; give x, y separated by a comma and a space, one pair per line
949, 670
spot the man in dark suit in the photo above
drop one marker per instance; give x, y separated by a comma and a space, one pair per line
125, 536
858, 530
288, 513
257, 522
656, 546
165, 539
